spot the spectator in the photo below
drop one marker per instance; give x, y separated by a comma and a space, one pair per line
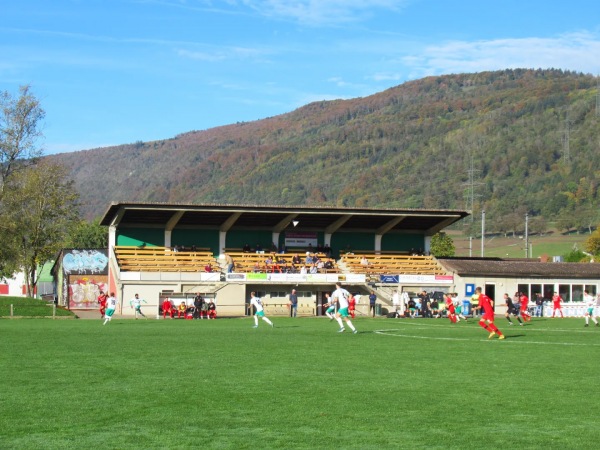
208, 268
293, 303
296, 259
229, 262
372, 301
247, 248
212, 309
181, 309
198, 304
364, 261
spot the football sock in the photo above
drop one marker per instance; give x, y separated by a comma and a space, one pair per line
510, 321
267, 320
339, 320
256, 320
350, 325
483, 325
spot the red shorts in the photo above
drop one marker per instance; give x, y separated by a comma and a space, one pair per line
488, 315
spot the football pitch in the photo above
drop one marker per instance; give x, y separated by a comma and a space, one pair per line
422, 383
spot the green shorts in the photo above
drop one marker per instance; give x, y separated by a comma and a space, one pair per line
331, 309
590, 311
343, 312
260, 313
109, 312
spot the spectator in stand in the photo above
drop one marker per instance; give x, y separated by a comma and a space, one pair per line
329, 265
167, 308
309, 258
212, 309
313, 269
296, 259
257, 268
208, 268
364, 261
303, 270
258, 248
229, 262
247, 248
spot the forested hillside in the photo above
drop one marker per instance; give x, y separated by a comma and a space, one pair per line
512, 141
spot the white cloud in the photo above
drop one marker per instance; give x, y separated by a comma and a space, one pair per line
575, 51
318, 12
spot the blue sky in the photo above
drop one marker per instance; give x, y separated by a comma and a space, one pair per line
112, 72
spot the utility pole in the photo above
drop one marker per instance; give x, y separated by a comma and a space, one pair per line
471, 184
598, 97
482, 231
567, 139
526, 235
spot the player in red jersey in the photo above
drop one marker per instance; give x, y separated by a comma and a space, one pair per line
352, 306
524, 307
487, 318
451, 310
102, 302
556, 301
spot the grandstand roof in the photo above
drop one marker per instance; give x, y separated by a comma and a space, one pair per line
279, 217
497, 267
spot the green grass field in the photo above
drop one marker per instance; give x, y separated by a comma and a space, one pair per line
420, 383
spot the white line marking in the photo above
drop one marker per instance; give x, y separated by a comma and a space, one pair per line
509, 340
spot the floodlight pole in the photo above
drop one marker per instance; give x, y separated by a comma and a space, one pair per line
526, 235
482, 232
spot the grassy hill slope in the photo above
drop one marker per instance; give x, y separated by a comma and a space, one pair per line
490, 140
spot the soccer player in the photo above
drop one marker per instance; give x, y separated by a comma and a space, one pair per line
524, 301
342, 295
511, 310
590, 303
111, 305
487, 318
136, 303
102, 302
352, 306
257, 303
330, 311
451, 310
168, 308
556, 305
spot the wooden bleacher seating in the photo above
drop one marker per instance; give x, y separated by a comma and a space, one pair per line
246, 262
391, 264
163, 259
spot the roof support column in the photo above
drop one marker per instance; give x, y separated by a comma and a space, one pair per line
377, 246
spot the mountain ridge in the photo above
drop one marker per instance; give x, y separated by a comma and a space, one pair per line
496, 138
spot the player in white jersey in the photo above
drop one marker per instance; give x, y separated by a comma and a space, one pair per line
260, 312
136, 304
330, 304
342, 295
111, 305
590, 304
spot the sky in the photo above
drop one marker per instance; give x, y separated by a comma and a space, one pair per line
111, 72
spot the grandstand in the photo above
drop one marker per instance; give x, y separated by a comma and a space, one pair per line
161, 250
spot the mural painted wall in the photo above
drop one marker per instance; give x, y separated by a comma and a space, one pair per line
85, 274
